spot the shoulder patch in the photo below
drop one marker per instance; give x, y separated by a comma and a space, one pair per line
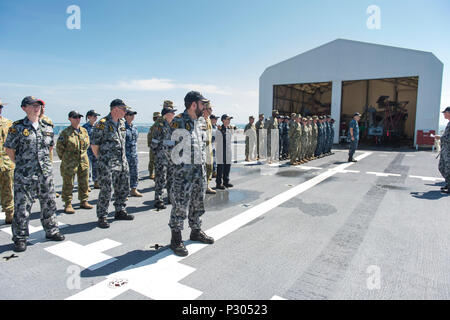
174, 125
12, 130
100, 126
103, 120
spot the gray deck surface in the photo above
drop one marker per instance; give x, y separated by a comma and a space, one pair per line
288, 232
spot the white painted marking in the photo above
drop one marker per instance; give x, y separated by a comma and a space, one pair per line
349, 171
308, 168
428, 178
277, 298
409, 155
382, 174
37, 234
90, 256
157, 277
56, 161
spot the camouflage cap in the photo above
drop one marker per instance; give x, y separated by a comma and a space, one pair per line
315, 117
261, 114
293, 115
275, 111
156, 114
310, 118
304, 119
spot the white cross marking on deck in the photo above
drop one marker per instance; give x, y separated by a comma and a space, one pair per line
37, 234
383, 174
90, 256
428, 178
158, 276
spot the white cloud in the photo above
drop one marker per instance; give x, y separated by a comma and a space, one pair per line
147, 85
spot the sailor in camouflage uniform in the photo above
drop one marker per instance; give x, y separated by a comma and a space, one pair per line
6, 171
161, 146
29, 144
444, 161
151, 162
91, 117
260, 138
108, 145
71, 147
131, 152
189, 175
250, 139
271, 127
315, 133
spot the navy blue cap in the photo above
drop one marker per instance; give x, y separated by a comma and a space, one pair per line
31, 100
75, 114
118, 103
92, 113
167, 110
446, 110
194, 96
225, 116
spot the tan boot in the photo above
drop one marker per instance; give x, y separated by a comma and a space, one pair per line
89, 189
57, 194
68, 208
210, 191
152, 177
85, 205
9, 217
135, 193
96, 185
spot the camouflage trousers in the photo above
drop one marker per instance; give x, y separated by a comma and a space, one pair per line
313, 147
249, 149
6, 191
163, 172
187, 196
444, 165
134, 173
26, 189
151, 162
303, 149
93, 167
83, 183
108, 179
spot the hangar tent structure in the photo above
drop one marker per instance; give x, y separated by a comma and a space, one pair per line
397, 91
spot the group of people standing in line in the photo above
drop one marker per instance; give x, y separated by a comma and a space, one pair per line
300, 139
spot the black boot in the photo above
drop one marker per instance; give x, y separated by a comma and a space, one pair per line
103, 223
177, 245
159, 204
199, 235
228, 185
352, 160
56, 237
123, 215
20, 245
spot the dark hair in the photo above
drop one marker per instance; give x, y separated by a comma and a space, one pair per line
188, 104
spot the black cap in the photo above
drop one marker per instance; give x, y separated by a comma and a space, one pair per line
75, 114
31, 100
328, 116
194, 96
92, 113
213, 117
118, 103
130, 113
446, 110
167, 110
357, 114
225, 116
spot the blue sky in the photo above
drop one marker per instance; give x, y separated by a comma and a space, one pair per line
147, 51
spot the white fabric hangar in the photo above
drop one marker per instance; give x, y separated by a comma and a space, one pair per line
394, 88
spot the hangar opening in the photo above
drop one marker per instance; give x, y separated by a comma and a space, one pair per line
304, 98
387, 108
